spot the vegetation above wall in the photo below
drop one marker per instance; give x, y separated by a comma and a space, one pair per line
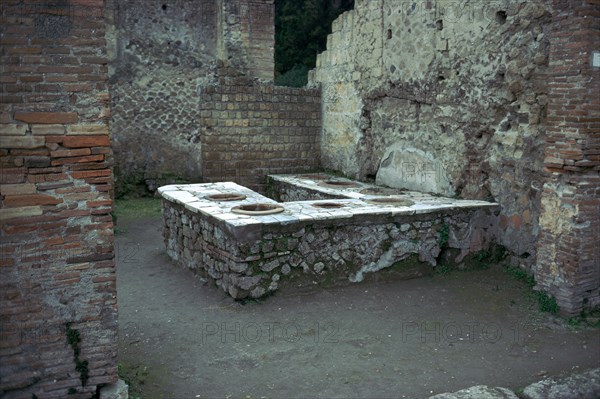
301, 29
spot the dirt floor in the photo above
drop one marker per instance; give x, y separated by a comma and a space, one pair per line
181, 337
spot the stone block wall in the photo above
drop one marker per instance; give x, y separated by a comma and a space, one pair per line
352, 61
569, 246
256, 260
451, 99
252, 130
258, 33
476, 99
58, 307
163, 54
283, 192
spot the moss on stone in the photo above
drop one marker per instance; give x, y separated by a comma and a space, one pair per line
74, 340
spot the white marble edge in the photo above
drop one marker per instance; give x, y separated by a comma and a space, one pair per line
192, 198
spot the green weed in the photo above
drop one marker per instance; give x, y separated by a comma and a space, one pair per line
134, 377
591, 317
444, 235
519, 274
546, 302
386, 245
137, 208
575, 322
74, 340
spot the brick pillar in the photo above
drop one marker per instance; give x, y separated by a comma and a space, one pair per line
258, 32
58, 308
569, 255
246, 41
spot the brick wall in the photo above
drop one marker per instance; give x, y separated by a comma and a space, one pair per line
251, 130
57, 272
257, 20
162, 54
569, 253
158, 57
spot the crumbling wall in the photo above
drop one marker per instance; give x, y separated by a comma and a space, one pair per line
256, 32
255, 260
58, 306
451, 100
351, 64
458, 98
569, 245
164, 53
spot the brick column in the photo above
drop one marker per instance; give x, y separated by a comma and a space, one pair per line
57, 271
247, 38
569, 255
258, 36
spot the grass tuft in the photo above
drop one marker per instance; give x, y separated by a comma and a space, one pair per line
546, 302
137, 208
519, 274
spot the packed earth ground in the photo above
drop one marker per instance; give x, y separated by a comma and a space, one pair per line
181, 337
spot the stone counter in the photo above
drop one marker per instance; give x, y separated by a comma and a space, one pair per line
252, 256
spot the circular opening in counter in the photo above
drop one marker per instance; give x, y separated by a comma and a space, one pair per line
328, 205
314, 176
382, 191
226, 197
257, 209
390, 201
338, 183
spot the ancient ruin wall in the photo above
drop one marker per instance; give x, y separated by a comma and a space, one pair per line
246, 37
442, 97
252, 130
255, 260
58, 307
163, 54
459, 98
569, 249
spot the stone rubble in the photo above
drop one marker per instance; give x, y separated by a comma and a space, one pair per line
478, 392
584, 385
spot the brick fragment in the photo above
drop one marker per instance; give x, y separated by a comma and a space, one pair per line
87, 130
47, 117
84, 159
91, 258
47, 177
30, 200
21, 142
70, 153
12, 130
90, 173
17, 189
95, 204
86, 141
50, 130
26, 211
12, 175
53, 186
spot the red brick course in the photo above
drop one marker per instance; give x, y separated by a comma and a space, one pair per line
46, 117
569, 255
53, 86
251, 130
